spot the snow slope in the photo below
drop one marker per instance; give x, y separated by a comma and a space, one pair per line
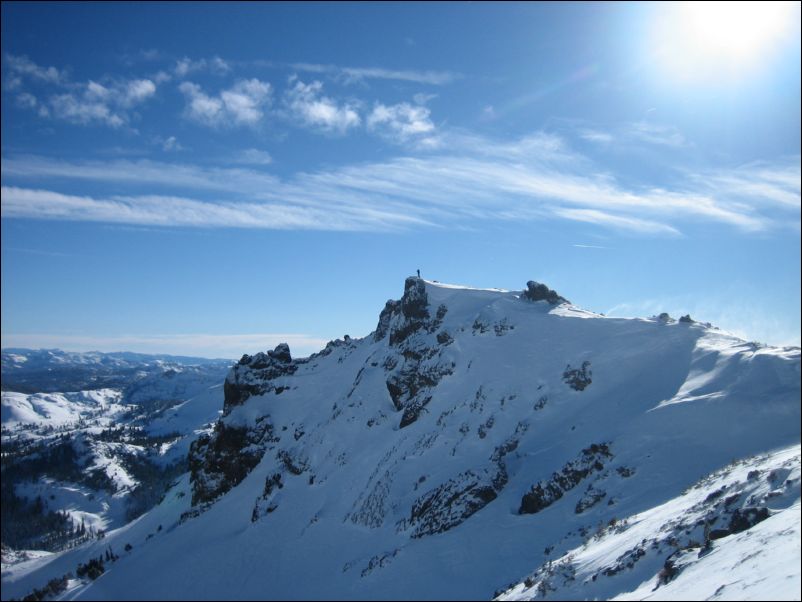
701, 545
440, 456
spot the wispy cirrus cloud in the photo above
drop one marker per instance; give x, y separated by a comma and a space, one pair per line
357, 74
468, 180
656, 133
157, 210
595, 216
637, 133
158, 175
185, 66
778, 184
596, 136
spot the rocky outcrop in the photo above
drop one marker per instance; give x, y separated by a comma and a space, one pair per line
535, 291
414, 364
254, 375
578, 378
740, 520
545, 493
220, 461
413, 309
391, 308
456, 500
450, 504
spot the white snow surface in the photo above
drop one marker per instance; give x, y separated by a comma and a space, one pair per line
58, 409
674, 402
759, 563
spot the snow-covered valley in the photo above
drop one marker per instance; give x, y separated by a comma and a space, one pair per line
88, 461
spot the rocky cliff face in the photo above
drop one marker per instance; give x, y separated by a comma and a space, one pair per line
257, 375
415, 363
220, 460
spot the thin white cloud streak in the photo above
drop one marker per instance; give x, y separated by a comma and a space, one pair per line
230, 346
171, 175
356, 74
533, 178
594, 216
637, 133
656, 133
151, 210
596, 136
771, 184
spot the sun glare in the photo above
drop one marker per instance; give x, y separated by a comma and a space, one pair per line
700, 39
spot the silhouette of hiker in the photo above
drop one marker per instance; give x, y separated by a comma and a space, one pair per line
418, 273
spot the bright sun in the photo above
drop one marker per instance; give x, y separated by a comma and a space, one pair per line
700, 39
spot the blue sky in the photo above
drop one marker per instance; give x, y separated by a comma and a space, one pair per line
213, 179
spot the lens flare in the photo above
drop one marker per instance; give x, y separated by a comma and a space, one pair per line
702, 39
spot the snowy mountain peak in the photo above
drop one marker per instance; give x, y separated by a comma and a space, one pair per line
472, 431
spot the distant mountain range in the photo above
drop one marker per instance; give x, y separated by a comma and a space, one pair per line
49, 370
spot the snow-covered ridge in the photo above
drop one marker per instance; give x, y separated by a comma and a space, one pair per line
397, 465
58, 409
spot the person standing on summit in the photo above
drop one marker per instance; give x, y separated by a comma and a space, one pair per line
418, 273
